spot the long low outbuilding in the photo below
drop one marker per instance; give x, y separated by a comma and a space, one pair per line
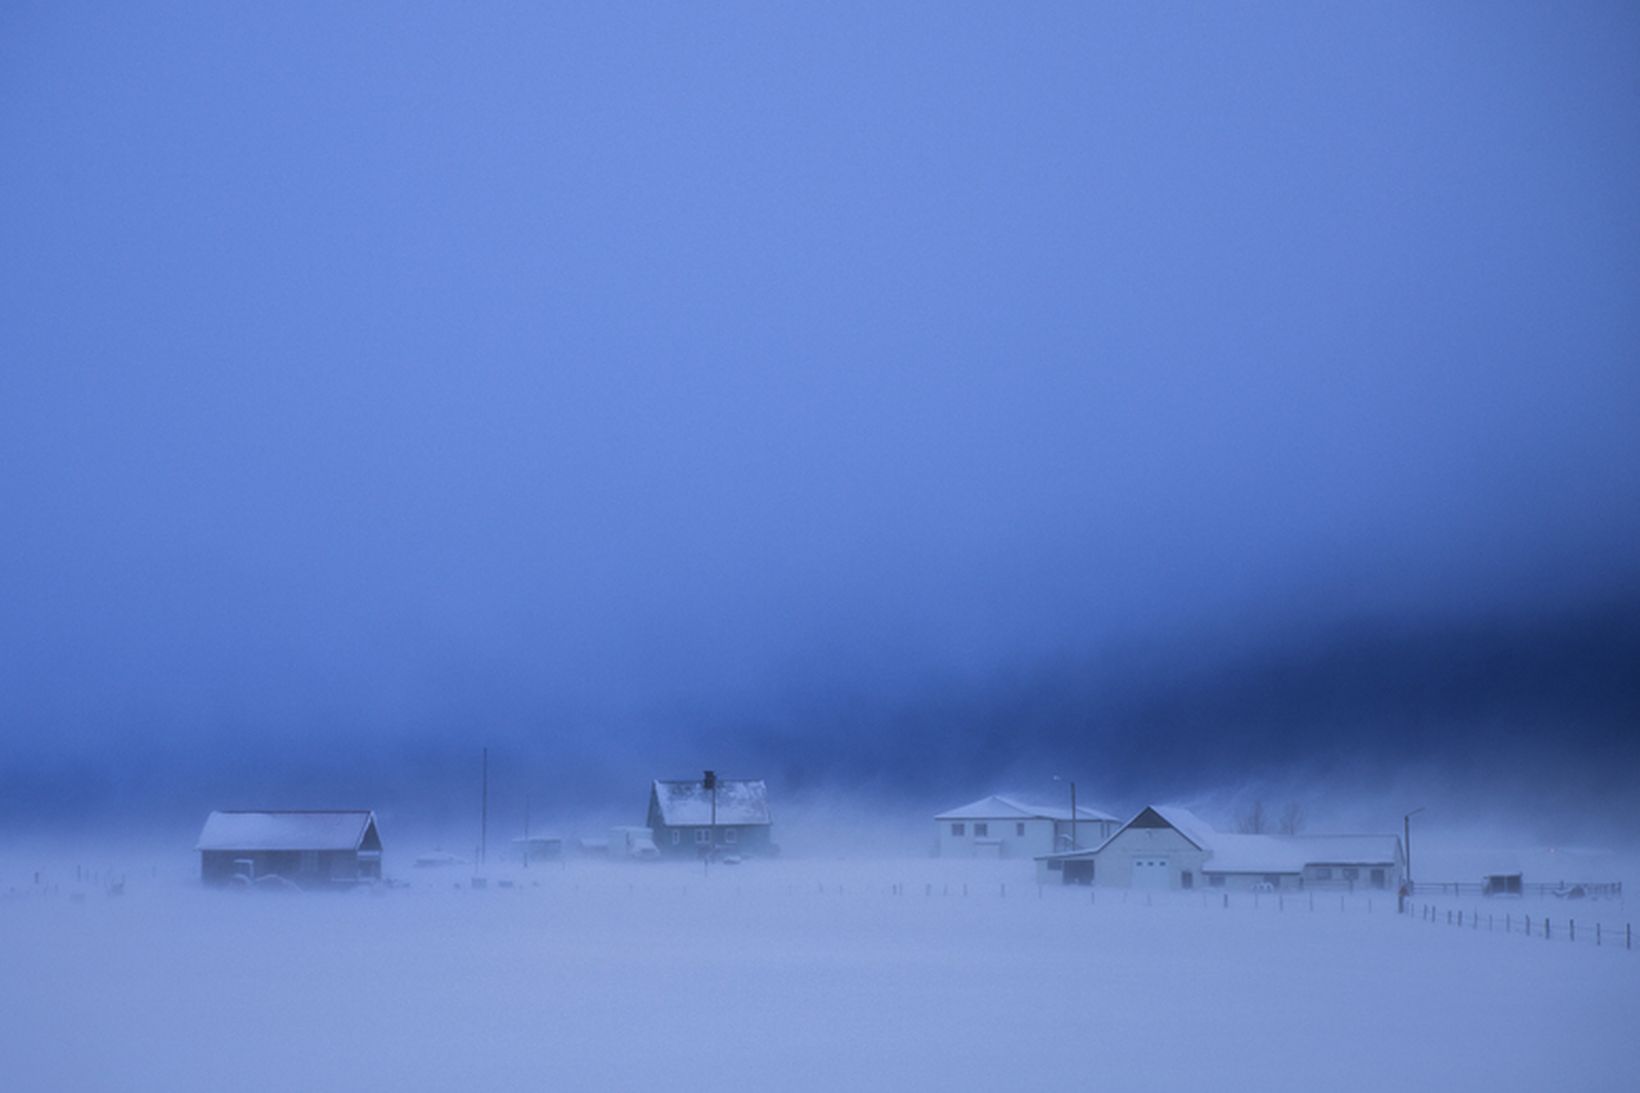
308, 848
1166, 848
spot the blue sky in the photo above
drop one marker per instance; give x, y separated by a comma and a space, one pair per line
665, 381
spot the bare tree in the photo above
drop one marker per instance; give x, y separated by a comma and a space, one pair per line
1252, 822
1292, 818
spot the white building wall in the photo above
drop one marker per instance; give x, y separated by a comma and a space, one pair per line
1012, 838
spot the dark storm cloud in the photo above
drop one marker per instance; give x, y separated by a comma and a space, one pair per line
380, 381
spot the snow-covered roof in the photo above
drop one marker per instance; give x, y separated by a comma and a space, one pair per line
1007, 808
1186, 823
1291, 853
335, 830
1236, 853
740, 802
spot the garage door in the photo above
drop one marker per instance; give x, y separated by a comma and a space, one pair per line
1150, 873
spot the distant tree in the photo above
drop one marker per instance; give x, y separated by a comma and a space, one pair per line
1292, 818
1252, 822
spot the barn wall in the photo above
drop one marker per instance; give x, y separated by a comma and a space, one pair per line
1113, 866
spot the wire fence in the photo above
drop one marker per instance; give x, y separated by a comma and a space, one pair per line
1559, 889
1567, 928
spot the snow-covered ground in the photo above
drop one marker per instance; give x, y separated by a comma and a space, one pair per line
788, 975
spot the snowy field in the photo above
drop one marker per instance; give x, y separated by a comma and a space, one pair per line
789, 975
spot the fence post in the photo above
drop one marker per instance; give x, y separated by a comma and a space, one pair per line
1628, 935
1571, 929
1546, 927
1227, 901
1597, 935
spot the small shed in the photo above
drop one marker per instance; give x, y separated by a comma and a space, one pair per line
310, 848
692, 818
538, 848
1501, 884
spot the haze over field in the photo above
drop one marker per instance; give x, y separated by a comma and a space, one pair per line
880, 400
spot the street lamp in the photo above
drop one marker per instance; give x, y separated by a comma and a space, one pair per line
1074, 844
1406, 837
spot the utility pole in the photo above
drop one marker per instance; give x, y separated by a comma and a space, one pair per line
710, 782
1075, 845
484, 805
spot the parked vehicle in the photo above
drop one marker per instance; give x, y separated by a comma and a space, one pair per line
632, 844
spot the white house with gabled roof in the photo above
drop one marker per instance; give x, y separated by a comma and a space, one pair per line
1167, 848
1003, 827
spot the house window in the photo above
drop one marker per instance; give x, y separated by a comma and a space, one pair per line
959, 830
1019, 830
1351, 874
677, 837
1186, 880
981, 830
703, 835
1323, 873
730, 835
1377, 878
1055, 865
1215, 881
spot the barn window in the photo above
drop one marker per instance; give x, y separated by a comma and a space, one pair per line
959, 829
1186, 880
1377, 878
1324, 873
730, 835
1216, 881
1351, 874
981, 830
1019, 830
1273, 879
677, 837
703, 835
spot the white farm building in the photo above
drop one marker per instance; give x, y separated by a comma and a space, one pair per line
1002, 827
1166, 848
